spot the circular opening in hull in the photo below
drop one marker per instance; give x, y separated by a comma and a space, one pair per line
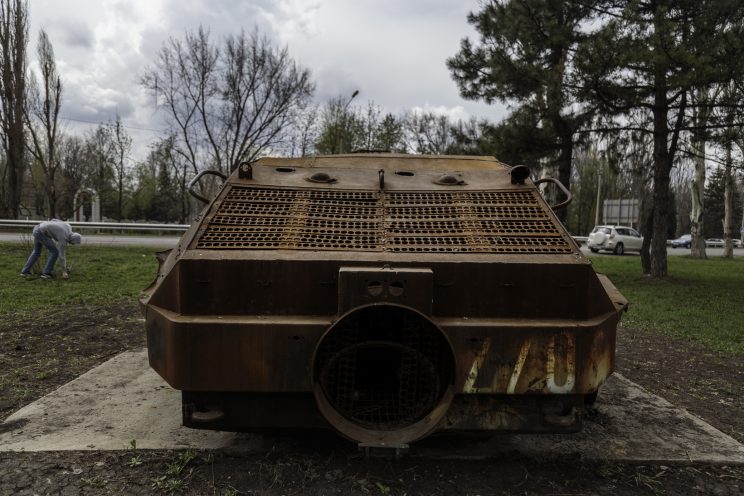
383, 369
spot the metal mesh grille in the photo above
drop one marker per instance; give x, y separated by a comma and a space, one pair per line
383, 367
426, 222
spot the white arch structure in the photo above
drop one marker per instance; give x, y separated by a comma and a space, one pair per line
95, 205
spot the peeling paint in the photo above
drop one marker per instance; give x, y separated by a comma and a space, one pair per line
570, 361
475, 368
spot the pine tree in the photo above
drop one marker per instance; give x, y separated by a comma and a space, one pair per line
524, 58
649, 56
715, 207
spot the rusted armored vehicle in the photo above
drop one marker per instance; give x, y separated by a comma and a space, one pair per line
384, 296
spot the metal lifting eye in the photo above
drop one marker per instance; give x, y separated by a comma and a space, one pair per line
321, 177
245, 170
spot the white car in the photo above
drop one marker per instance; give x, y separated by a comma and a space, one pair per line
719, 243
617, 239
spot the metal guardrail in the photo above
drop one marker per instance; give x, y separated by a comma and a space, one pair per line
136, 226
111, 226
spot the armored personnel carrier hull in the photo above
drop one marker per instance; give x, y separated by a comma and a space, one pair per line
384, 296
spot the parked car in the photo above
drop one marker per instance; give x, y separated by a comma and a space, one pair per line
684, 241
617, 239
737, 243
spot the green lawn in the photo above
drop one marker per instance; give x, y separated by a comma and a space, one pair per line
701, 299
99, 275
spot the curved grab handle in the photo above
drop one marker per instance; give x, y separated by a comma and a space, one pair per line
197, 178
555, 181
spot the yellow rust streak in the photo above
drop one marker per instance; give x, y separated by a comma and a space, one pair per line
296, 219
477, 364
523, 352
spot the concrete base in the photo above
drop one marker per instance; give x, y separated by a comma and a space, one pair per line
123, 400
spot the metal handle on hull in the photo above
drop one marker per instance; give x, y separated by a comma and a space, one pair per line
555, 181
197, 178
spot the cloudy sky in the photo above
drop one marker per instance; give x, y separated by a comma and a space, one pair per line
392, 51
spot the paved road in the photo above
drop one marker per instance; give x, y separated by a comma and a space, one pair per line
170, 241
711, 252
106, 239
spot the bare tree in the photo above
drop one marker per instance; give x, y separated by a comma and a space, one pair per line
42, 117
172, 179
340, 126
228, 103
100, 157
13, 41
75, 169
428, 133
304, 133
730, 134
121, 146
700, 117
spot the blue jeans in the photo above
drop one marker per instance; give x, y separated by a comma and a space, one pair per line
41, 239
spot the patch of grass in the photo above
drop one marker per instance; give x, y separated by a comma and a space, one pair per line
701, 300
175, 480
99, 275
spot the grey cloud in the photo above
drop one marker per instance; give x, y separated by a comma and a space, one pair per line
332, 82
220, 16
78, 105
71, 32
393, 52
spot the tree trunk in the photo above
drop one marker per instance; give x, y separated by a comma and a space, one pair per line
728, 203
647, 231
15, 167
698, 184
51, 194
741, 230
564, 169
662, 168
13, 41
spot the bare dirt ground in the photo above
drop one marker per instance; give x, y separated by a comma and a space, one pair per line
40, 353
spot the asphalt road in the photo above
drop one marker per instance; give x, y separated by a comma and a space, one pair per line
711, 252
170, 241
105, 239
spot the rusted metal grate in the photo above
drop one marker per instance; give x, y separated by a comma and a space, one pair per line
254, 218
383, 367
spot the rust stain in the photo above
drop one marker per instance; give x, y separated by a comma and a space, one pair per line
523, 351
292, 303
475, 368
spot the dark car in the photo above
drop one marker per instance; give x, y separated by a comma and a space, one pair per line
684, 241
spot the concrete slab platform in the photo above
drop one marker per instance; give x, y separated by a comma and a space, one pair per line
123, 400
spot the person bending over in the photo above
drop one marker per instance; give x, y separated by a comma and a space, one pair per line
54, 235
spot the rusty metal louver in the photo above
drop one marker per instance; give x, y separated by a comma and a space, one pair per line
255, 218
